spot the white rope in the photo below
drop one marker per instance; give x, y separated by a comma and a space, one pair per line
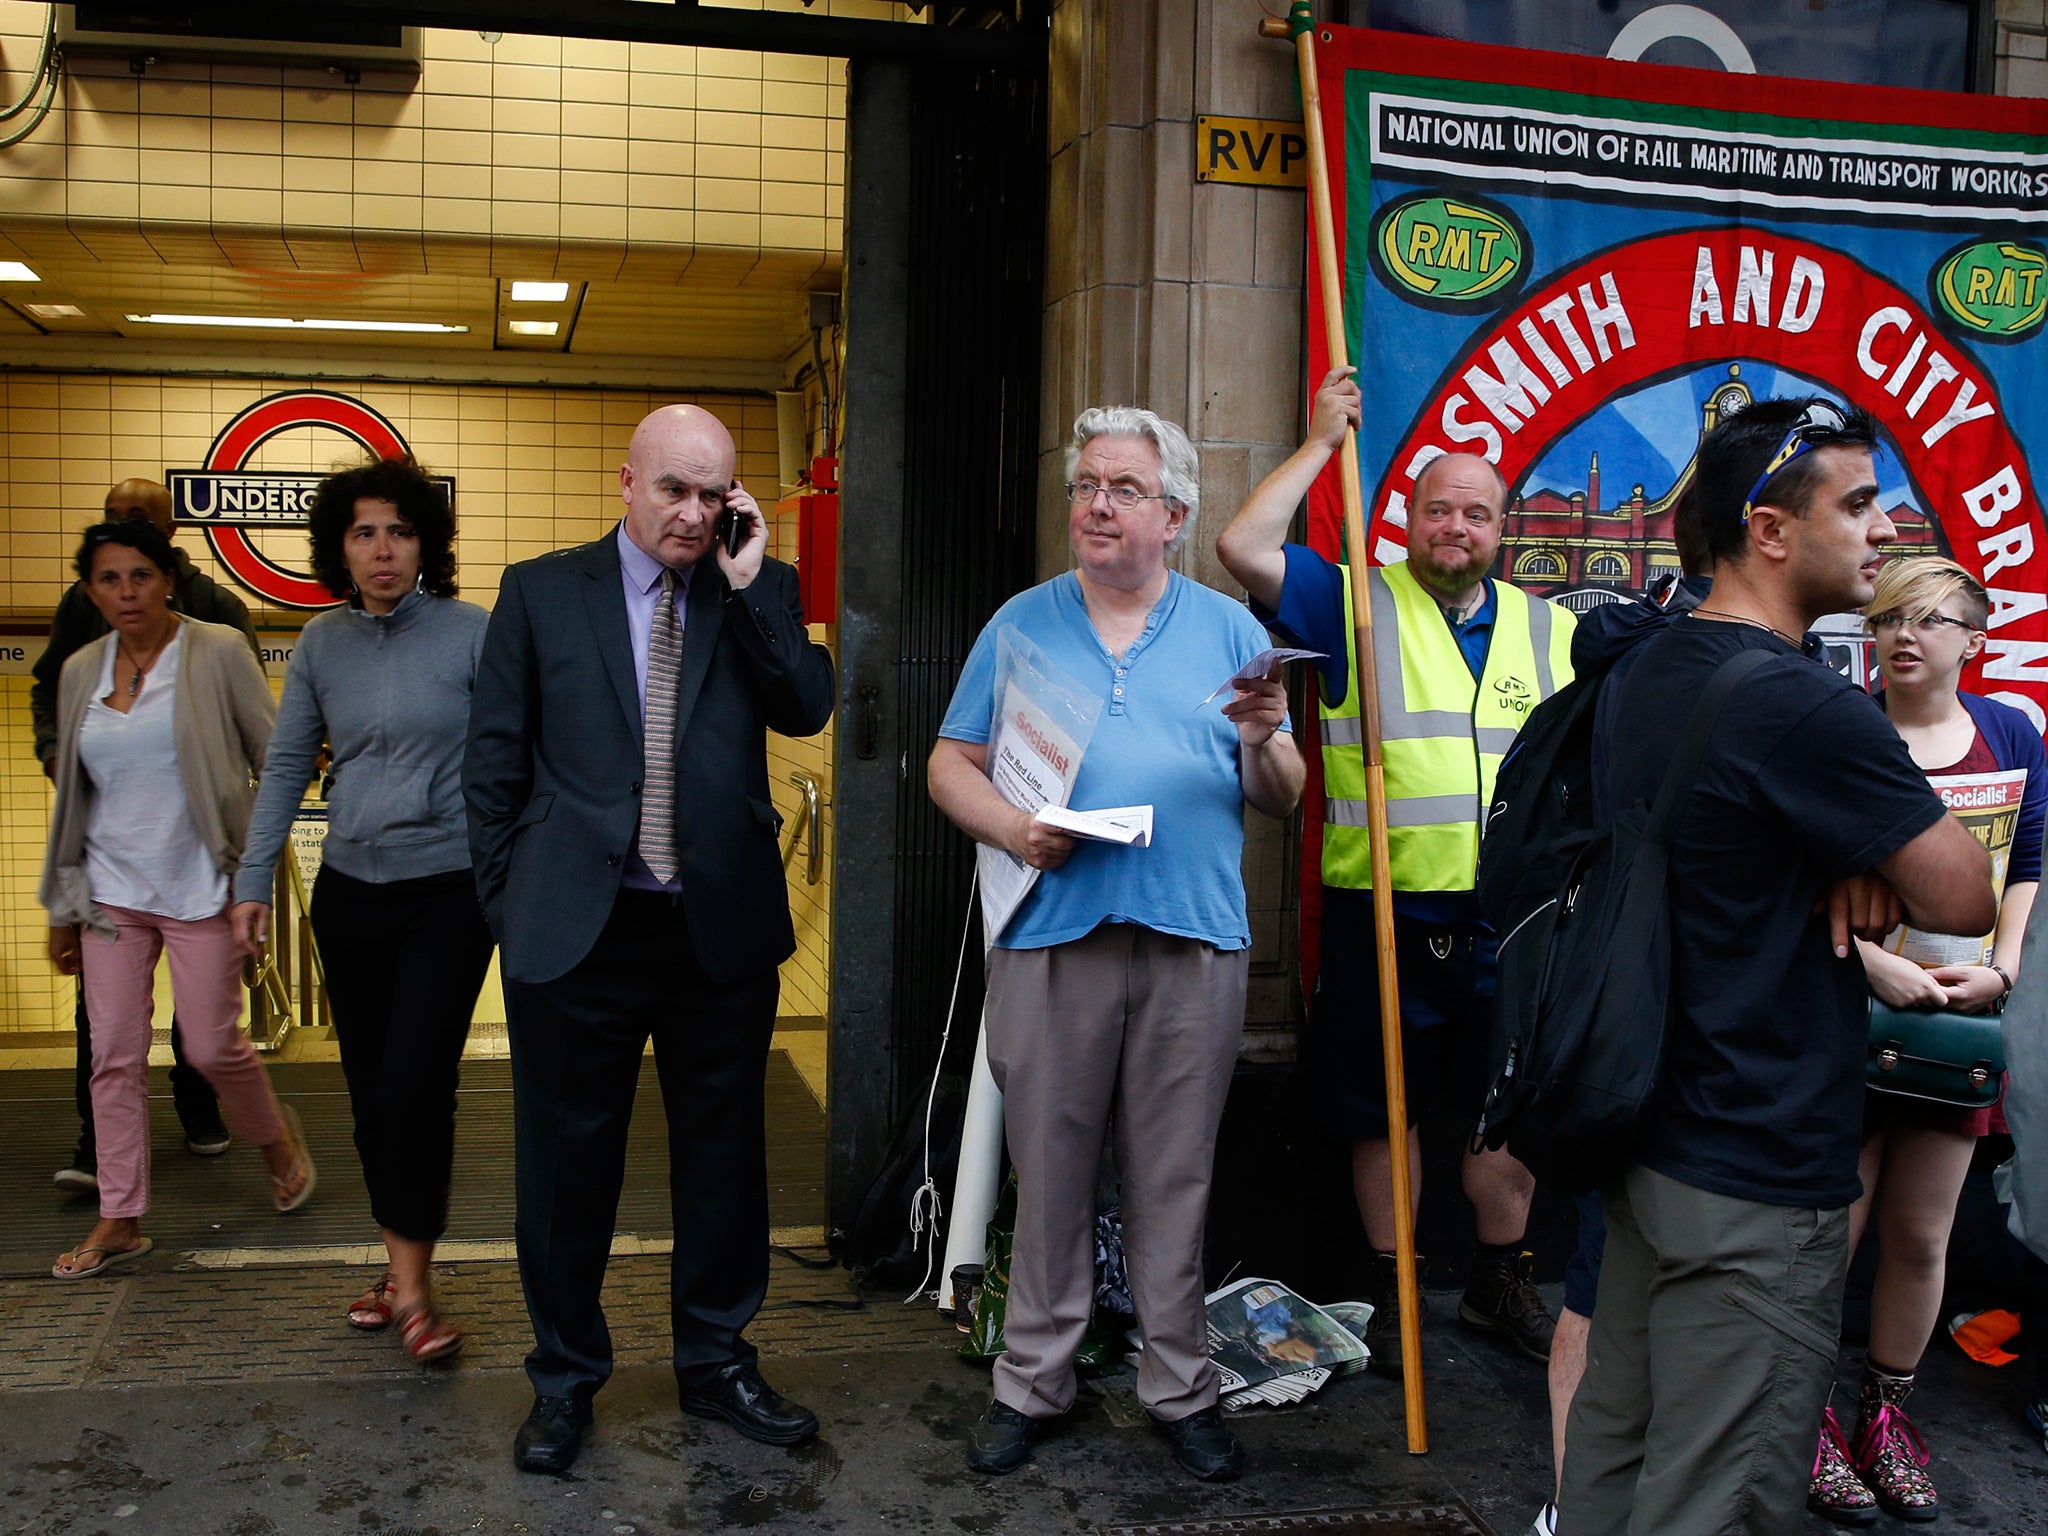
926, 1208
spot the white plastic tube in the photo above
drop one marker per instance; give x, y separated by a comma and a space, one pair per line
976, 1183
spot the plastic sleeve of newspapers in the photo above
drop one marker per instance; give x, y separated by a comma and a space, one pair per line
1042, 725
1988, 804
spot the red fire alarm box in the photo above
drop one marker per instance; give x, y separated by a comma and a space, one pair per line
816, 510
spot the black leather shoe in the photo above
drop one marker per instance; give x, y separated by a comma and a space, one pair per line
1000, 1440
552, 1435
739, 1396
1203, 1445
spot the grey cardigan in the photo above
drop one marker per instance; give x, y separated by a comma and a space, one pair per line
220, 725
389, 693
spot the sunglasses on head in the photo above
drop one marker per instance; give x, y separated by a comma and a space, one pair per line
1818, 425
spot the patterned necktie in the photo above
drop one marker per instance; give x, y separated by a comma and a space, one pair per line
658, 792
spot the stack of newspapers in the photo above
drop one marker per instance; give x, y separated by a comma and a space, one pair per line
1274, 1348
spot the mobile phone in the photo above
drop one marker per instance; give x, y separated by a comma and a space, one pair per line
732, 528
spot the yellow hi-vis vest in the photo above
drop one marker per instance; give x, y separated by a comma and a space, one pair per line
1442, 736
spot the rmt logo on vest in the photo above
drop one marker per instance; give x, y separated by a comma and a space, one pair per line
1515, 694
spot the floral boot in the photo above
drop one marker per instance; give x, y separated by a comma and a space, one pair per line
1836, 1492
1890, 1455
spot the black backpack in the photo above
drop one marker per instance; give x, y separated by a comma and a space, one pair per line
1584, 916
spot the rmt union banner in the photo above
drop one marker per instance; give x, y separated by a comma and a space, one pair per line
1575, 267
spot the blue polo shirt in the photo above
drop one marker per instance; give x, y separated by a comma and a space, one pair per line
1152, 746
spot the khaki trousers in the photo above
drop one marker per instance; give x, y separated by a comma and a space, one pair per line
1713, 1347
1147, 1024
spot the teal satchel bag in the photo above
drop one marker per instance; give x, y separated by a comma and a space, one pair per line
1949, 1058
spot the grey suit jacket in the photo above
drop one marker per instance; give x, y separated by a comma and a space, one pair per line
552, 770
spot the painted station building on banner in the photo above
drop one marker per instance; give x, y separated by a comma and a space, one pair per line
1573, 546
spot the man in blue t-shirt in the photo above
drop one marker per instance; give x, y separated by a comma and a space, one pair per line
1713, 1343
1119, 982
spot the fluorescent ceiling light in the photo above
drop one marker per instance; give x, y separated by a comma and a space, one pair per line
535, 327
279, 323
539, 293
55, 311
17, 272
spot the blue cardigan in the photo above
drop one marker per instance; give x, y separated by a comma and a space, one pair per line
2016, 744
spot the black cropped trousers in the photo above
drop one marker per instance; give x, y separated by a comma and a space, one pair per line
404, 960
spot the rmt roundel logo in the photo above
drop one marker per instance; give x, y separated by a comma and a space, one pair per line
228, 501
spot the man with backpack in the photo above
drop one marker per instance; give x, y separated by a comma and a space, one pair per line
1463, 658
1720, 1295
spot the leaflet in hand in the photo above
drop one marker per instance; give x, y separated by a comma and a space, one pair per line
1260, 667
1130, 825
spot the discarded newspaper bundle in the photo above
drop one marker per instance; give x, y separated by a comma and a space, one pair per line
1273, 1347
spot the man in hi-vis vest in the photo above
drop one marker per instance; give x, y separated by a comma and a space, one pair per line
1462, 660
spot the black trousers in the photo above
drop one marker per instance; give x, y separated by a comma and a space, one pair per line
198, 1108
576, 1050
405, 960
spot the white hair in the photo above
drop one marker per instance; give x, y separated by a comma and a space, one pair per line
1179, 469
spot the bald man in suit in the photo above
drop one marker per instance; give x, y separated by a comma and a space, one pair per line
627, 858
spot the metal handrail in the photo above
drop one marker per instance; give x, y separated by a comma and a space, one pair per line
273, 1014
806, 826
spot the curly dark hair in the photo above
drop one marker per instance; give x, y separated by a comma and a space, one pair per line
419, 501
138, 534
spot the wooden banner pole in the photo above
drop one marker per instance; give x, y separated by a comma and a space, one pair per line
1366, 682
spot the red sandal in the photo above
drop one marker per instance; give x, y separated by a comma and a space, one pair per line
427, 1335
372, 1310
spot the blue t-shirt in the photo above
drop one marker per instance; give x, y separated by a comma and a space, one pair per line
1312, 614
1151, 746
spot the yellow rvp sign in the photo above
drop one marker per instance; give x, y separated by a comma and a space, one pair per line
1250, 151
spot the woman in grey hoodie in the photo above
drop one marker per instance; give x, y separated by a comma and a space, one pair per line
384, 681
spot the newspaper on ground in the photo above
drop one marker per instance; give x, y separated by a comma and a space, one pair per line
1273, 1347
1989, 805
1042, 725
1259, 668
1354, 1315
1130, 825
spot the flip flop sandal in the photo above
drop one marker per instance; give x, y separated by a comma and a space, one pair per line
109, 1257
428, 1336
372, 1310
302, 1165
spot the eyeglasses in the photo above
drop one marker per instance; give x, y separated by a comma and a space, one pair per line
1818, 425
1895, 620
1124, 498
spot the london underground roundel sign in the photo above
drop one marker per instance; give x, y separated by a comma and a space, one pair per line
229, 501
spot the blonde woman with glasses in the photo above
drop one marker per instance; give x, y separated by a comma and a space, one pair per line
1928, 618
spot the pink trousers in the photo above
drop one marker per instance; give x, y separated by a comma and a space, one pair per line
206, 980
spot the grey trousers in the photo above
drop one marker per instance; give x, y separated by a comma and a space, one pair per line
1148, 1024
1713, 1346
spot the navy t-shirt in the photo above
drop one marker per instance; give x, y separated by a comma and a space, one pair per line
1805, 783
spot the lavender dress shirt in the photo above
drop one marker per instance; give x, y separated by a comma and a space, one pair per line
640, 575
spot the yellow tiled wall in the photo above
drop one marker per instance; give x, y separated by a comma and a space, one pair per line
522, 138
535, 470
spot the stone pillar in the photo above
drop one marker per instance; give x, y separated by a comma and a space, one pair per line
2020, 43
1184, 298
